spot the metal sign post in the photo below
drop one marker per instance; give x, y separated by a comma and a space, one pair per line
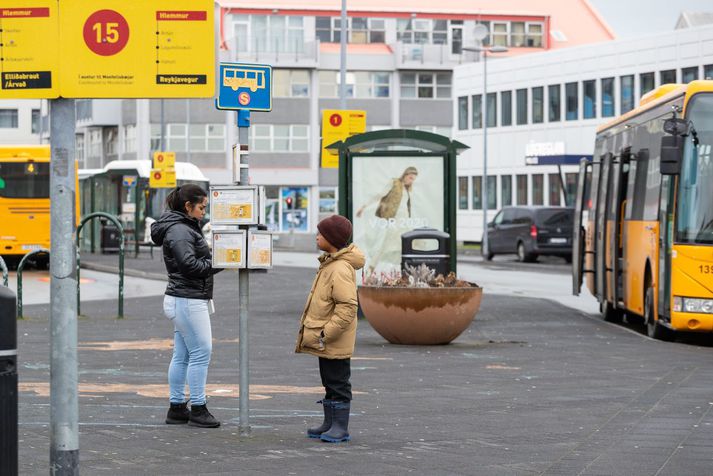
64, 403
243, 88
244, 287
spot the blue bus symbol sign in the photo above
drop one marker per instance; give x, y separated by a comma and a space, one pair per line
245, 86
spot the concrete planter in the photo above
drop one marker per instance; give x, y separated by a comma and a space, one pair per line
419, 316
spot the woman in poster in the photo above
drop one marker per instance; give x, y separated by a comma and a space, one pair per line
393, 214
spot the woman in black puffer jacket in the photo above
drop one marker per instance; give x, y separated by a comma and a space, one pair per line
190, 288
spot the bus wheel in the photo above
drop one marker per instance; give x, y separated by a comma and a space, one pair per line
654, 328
611, 314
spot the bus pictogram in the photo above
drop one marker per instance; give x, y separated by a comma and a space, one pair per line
236, 78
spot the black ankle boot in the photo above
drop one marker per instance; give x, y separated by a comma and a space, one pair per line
340, 424
326, 424
201, 417
178, 414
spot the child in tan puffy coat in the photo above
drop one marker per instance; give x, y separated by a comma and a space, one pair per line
329, 321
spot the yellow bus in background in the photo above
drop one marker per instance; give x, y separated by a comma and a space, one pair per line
25, 200
643, 239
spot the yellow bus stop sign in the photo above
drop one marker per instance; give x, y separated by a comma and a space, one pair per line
339, 125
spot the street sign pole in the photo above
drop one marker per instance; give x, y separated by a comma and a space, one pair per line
64, 406
243, 284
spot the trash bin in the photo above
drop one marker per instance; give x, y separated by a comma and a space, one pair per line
426, 246
8, 381
110, 237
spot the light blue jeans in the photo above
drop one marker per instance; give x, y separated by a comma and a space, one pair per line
192, 346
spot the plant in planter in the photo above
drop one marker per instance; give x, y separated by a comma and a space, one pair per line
418, 307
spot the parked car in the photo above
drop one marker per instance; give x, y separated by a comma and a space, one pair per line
530, 232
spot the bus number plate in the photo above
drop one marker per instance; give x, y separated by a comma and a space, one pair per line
31, 247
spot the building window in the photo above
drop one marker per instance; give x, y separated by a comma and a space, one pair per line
456, 37
111, 141
207, 137
35, 124
290, 83
377, 30
555, 189
422, 31
499, 34
506, 190
360, 84
176, 137
279, 138
359, 29
492, 192
491, 112
462, 193
94, 149
521, 96
293, 203
668, 76
269, 33
506, 108
463, 113
538, 189
708, 71
608, 106
522, 189
571, 101
79, 149
626, 88
477, 121
477, 193
589, 92
327, 200
129, 138
8, 118
534, 35
689, 74
426, 85
517, 34
555, 102
538, 105
323, 29
647, 82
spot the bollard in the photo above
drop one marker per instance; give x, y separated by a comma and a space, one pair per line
20, 268
8, 383
3, 267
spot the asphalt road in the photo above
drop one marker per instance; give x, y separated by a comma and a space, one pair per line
532, 387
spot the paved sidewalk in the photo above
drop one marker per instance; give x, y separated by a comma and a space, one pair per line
530, 388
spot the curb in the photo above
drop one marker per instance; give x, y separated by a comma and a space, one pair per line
127, 271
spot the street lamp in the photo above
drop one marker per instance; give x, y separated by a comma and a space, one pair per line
483, 117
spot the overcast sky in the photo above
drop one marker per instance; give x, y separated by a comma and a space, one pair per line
638, 17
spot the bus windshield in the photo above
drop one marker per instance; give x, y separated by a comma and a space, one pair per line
694, 223
24, 180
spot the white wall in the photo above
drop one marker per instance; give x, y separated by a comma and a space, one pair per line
23, 133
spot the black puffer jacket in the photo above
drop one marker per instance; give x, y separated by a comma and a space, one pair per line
185, 254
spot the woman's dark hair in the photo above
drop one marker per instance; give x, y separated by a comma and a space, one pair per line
189, 192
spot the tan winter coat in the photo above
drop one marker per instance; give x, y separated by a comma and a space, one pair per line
332, 306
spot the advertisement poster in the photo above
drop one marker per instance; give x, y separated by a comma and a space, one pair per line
394, 195
294, 208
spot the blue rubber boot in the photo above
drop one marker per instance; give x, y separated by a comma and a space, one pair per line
326, 424
339, 431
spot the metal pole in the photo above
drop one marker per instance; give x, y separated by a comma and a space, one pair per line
64, 407
163, 128
343, 59
188, 130
483, 115
244, 291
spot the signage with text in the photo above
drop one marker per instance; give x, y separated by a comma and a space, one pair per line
234, 205
339, 125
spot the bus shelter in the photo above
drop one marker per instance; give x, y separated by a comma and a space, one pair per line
122, 189
392, 182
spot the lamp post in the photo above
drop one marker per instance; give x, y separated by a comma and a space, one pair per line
484, 119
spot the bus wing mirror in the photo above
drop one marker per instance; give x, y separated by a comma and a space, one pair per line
675, 126
671, 153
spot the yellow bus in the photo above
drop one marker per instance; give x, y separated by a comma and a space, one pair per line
24, 200
643, 237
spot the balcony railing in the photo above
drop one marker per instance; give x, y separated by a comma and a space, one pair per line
430, 56
278, 53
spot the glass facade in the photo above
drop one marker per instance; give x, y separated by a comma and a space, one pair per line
626, 93
608, 104
555, 102
538, 105
589, 92
571, 101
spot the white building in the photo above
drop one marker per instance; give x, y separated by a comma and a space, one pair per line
20, 121
544, 108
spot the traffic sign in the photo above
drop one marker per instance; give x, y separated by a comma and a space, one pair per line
338, 125
162, 48
29, 49
162, 178
245, 86
120, 49
164, 160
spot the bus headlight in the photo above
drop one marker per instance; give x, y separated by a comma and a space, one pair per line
700, 306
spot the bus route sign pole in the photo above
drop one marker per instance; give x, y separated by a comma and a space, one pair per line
64, 405
244, 87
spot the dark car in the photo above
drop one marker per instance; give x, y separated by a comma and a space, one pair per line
530, 232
